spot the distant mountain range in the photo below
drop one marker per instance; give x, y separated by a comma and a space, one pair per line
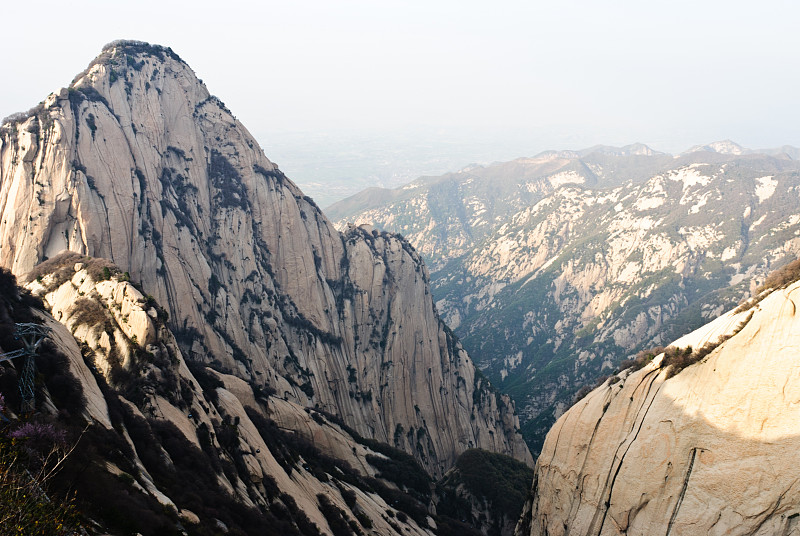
554, 268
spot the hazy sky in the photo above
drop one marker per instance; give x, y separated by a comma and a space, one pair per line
668, 73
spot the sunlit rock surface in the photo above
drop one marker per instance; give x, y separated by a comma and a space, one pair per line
711, 450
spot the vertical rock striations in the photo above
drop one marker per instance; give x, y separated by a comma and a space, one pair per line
136, 162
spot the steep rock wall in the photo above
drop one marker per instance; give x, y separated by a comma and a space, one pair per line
553, 269
137, 163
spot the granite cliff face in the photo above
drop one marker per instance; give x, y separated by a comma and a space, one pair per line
709, 450
137, 163
552, 269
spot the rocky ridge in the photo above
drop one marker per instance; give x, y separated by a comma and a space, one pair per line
708, 450
588, 257
446, 217
136, 162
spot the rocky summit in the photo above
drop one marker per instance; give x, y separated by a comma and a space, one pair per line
136, 162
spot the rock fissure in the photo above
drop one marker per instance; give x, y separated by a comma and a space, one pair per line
792, 523
609, 487
682, 494
575, 504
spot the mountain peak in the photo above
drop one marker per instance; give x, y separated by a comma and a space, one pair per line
633, 149
133, 46
721, 147
137, 163
126, 53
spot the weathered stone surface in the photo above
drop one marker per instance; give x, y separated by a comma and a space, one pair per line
711, 450
96, 406
139, 164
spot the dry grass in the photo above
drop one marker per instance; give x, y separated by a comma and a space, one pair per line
63, 260
100, 269
641, 359
62, 268
87, 311
678, 359
782, 277
776, 280
675, 359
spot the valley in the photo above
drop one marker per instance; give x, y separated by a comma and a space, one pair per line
553, 269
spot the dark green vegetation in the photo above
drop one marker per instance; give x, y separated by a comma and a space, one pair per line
413, 489
502, 482
24, 506
556, 269
30, 448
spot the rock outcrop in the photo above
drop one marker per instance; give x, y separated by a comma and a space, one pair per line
137, 163
709, 450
